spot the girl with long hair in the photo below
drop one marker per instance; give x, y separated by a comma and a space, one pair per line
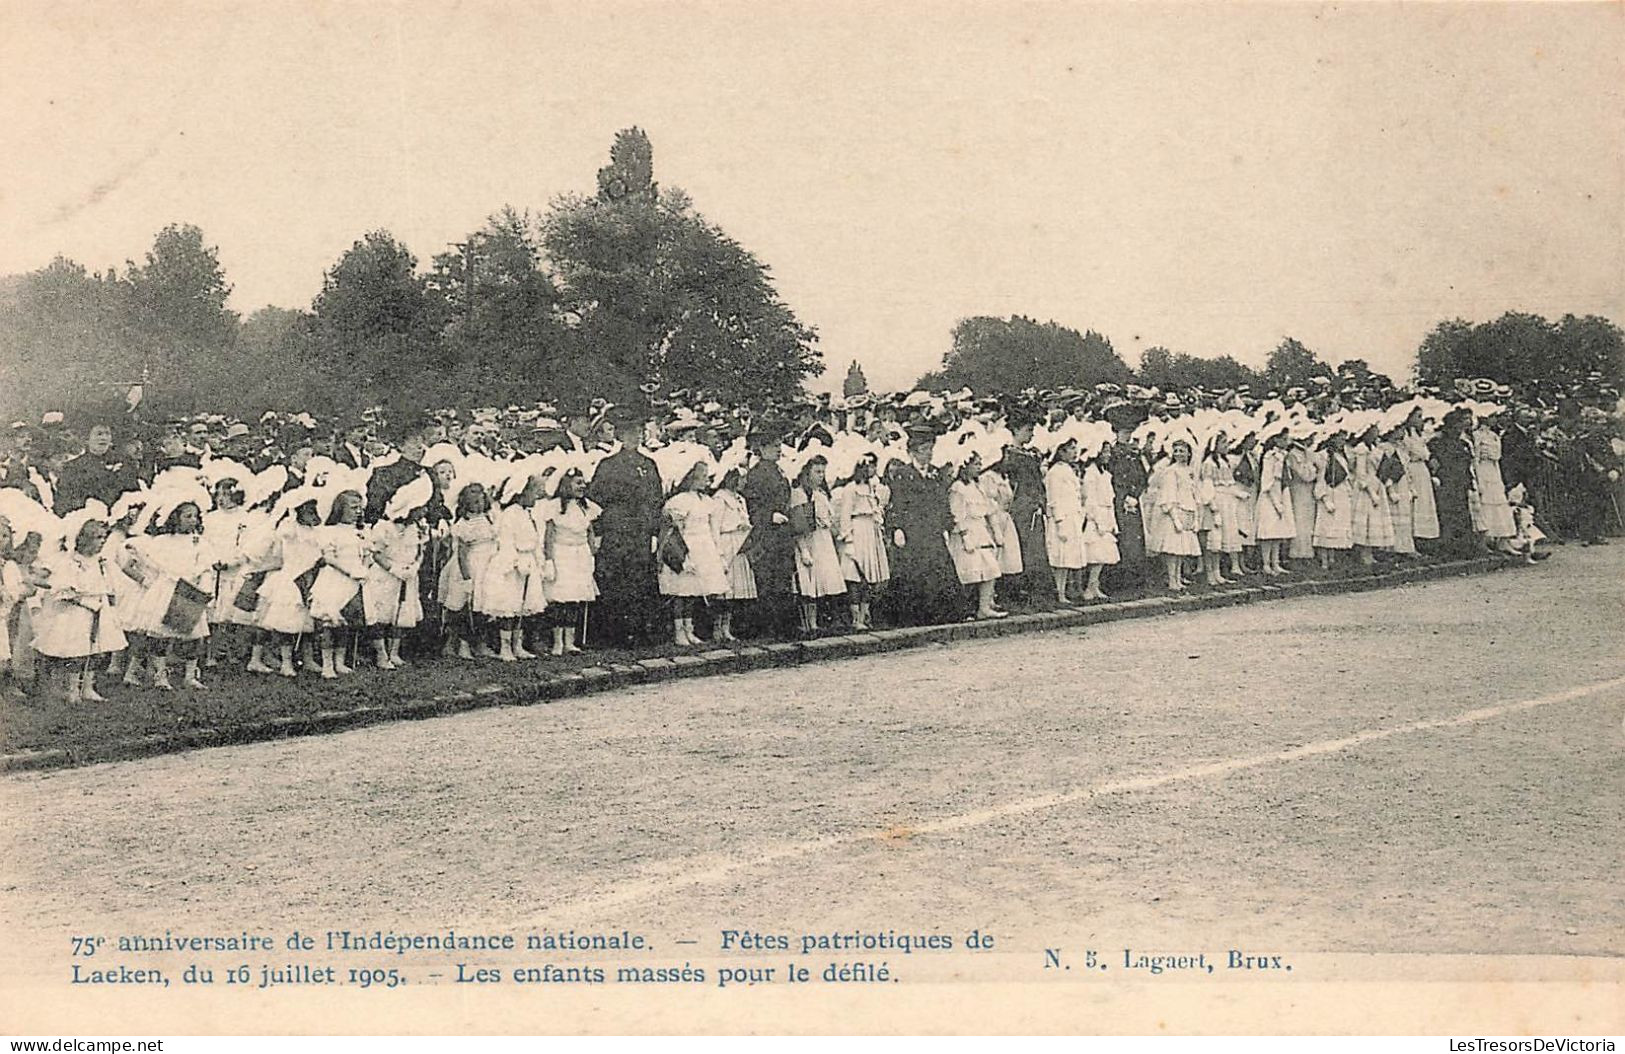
1063, 517
570, 548
860, 540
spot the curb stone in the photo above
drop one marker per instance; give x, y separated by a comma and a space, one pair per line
594, 679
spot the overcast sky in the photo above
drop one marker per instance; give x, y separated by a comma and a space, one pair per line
1208, 178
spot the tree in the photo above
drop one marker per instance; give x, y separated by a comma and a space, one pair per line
178, 294
1291, 365
175, 307
65, 341
856, 383
1006, 355
272, 365
1520, 348
374, 328
1157, 367
1588, 345
630, 174
1161, 368
652, 290
504, 336
373, 293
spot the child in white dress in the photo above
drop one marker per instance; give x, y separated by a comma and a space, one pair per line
76, 619
733, 531
1099, 522
14, 590
389, 594
283, 611
474, 542
1275, 518
512, 587
1334, 500
223, 529
1063, 518
971, 542
690, 515
860, 540
176, 573
812, 521
335, 595
570, 547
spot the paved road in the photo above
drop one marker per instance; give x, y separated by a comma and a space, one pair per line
1435, 769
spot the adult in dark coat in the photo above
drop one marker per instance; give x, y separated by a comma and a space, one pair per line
1026, 476
771, 545
1595, 484
387, 479
1451, 457
100, 473
627, 487
924, 587
1520, 460
1130, 473
351, 452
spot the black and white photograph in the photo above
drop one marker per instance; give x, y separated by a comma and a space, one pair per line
789, 518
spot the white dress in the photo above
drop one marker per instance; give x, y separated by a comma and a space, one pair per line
223, 533
1151, 523
733, 531
1174, 507
703, 574
1334, 505
126, 590
574, 565
1275, 518
860, 541
1227, 529
11, 594
1063, 517
1425, 508
1246, 496
999, 491
338, 583
1401, 501
389, 593
1303, 467
76, 618
1099, 517
477, 536
511, 585
284, 604
258, 550
974, 549
1369, 524
818, 566
166, 561
1495, 515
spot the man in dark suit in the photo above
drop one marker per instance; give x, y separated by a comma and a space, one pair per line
771, 545
924, 587
1451, 455
627, 487
1520, 460
352, 451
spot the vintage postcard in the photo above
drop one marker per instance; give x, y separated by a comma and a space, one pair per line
812, 518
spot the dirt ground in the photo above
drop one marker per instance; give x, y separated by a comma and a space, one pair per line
1325, 775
